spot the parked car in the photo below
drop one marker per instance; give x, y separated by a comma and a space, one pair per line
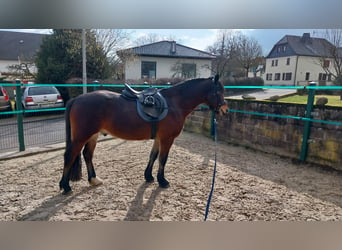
41, 97
5, 103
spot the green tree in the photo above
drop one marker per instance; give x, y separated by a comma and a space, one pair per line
60, 57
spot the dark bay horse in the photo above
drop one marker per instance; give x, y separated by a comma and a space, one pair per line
107, 112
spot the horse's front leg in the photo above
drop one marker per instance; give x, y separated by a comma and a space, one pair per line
163, 155
153, 156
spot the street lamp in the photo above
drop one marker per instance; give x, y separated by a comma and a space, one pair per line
84, 61
21, 42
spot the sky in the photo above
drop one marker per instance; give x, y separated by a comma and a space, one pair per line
202, 38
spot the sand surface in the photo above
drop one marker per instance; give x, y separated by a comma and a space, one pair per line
249, 186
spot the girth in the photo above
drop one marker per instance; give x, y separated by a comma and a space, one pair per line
151, 105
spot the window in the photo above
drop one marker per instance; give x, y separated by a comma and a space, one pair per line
274, 63
148, 69
277, 76
307, 76
322, 77
281, 48
326, 64
43, 90
287, 76
269, 77
188, 70
288, 61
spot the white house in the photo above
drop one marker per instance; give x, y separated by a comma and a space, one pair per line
18, 48
165, 59
297, 60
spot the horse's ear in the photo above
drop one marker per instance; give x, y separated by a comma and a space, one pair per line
216, 78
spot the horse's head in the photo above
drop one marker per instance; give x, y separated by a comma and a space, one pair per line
216, 100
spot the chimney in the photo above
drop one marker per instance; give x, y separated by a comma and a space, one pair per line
306, 37
173, 47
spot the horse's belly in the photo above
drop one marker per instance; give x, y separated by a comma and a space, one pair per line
128, 130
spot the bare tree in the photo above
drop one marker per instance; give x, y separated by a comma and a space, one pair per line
112, 41
148, 38
225, 48
24, 70
249, 52
333, 54
152, 38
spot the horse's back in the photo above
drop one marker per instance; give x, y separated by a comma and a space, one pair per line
95, 97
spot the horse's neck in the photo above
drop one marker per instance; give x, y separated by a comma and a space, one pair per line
191, 95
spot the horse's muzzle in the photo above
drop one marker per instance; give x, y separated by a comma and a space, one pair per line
222, 109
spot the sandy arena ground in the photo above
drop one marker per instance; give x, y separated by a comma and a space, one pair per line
249, 186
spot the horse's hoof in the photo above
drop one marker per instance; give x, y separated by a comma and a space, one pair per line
66, 192
95, 181
164, 184
65, 187
149, 179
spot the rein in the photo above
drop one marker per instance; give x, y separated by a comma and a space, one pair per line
214, 171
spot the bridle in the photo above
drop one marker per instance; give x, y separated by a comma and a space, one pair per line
216, 95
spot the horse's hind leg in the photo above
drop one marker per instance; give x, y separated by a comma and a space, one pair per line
153, 156
72, 166
88, 153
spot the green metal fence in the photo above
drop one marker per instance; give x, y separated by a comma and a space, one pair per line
18, 134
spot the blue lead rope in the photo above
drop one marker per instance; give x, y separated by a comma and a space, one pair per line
214, 173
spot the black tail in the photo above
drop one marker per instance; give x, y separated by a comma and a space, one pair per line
76, 167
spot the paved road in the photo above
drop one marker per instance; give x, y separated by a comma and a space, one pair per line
267, 93
38, 130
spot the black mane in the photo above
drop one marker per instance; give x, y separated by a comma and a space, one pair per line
191, 81
184, 86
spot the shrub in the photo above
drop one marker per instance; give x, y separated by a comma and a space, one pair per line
321, 101
274, 98
255, 81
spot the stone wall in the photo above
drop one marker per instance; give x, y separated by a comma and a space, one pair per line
282, 136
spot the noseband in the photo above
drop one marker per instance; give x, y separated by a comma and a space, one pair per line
217, 96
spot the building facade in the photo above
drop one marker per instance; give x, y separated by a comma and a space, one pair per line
165, 59
297, 60
17, 51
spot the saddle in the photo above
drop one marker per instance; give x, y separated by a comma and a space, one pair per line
151, 105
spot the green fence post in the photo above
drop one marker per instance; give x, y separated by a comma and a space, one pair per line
307, 124
96, 83
19, 116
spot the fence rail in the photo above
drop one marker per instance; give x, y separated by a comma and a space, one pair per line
23, 133
167, 86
